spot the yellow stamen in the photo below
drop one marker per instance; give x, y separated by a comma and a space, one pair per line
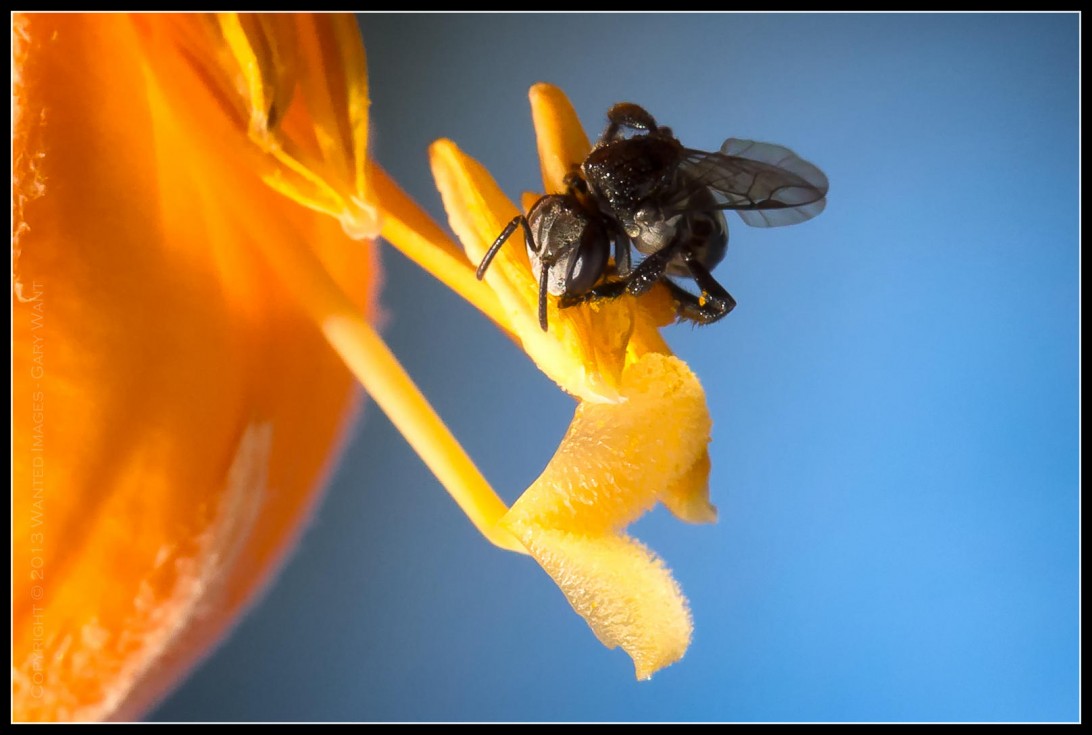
379, 372
374, 366
413, 233
314, 168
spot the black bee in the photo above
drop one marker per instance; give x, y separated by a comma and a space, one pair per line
666, 200
568, 243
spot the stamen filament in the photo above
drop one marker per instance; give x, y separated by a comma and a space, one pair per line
239, 45
331, 202
374, 366
383, 377
414, 234
378, 370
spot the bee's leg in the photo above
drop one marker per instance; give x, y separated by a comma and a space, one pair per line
650, 271
689, 307
714, 302
629, 116
609, 290
506, 233
622, 262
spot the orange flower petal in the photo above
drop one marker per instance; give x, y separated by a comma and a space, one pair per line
174, 412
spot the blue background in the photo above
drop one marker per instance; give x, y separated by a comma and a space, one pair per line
895, 452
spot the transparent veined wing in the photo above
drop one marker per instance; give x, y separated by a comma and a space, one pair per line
767, 184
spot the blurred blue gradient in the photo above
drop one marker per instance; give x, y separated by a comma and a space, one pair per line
895, 450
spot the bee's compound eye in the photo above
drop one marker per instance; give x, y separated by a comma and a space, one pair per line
589, 261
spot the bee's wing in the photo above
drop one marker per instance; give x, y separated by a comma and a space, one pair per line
767, 184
